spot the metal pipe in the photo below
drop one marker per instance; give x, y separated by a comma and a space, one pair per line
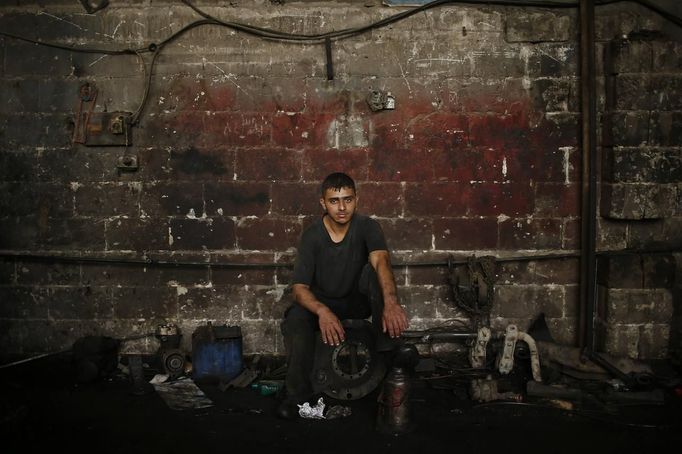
149, 262
161, 263
444, 336
588, 108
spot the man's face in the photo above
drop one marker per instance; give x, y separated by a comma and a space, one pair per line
339, 204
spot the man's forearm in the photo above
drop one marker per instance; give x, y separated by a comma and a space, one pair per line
387, 284
330, 326
394, 319
382, 266
306, 298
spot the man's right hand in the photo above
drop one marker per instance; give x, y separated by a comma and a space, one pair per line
330, 327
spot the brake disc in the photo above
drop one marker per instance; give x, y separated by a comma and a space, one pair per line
352, 369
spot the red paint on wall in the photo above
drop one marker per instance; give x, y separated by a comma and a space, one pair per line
237, 129
421, 162
301, 130
317, 163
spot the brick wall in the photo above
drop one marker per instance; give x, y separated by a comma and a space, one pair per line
641, 175
480, 156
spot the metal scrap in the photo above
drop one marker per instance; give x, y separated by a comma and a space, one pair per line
485, 390
309, 412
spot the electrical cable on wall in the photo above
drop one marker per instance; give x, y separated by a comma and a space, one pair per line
156, 48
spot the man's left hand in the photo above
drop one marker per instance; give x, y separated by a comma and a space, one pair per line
394, 320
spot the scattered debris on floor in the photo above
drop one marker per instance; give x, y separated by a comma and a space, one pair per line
180, 394
308, 411
338, 411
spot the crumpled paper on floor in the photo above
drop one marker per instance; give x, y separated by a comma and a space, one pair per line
180, 394
317, 412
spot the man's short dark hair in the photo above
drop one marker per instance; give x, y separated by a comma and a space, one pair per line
337, 181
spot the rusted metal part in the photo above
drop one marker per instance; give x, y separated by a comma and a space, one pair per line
352, 369
485, 390
507, 359
106, 129
506, 364
173, 362
393, 415
534, 356
473, 286
477, 354
87, 98
172, 359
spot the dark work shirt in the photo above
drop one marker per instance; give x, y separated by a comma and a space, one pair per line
332, 270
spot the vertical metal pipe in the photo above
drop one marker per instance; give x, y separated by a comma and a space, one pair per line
588, 108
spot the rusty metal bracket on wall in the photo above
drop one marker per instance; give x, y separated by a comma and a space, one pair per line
473, 286
330, 62
87, 96
99, 128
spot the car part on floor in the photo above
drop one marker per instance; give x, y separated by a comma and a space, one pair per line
393, 414
486, 390
352, 369
478, 352
506, 360
171, 357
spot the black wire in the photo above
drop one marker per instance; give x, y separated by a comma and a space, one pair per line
147, 86
156, 51
320, 37
70, 48
345, 33
274, 34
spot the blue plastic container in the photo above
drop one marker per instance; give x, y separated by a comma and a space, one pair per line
216, 353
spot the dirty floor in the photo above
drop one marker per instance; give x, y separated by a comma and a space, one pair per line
42, 409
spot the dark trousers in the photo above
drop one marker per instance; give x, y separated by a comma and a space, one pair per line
300, 326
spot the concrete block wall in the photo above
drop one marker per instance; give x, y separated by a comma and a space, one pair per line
635, 305
641, 190
642, 156
480, 156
